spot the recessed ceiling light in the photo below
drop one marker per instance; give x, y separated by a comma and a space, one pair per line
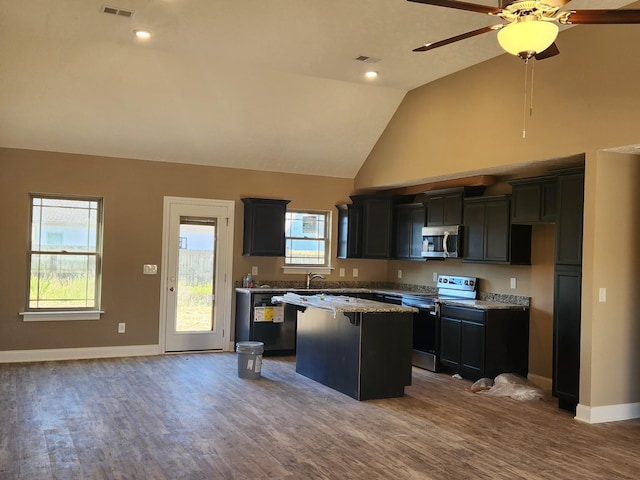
144, 34
371, 74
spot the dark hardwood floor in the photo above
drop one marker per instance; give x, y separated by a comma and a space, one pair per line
191, 417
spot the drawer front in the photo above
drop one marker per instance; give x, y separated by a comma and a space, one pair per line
462, 313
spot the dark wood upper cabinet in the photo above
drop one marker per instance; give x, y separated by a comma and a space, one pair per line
445, 207
370, 226
570, 213
410, 219
489, 236
349, 231
264, 221
533, 200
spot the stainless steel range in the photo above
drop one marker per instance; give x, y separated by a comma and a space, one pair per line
426, 323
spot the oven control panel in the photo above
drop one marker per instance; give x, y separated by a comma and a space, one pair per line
457, 283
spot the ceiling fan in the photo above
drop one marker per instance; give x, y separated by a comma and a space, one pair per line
532, 26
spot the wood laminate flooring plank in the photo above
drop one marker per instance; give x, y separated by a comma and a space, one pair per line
190, 417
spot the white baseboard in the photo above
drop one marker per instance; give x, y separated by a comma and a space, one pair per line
545, 383
45, 355
607, 413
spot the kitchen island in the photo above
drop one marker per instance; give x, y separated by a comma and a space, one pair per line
359, 347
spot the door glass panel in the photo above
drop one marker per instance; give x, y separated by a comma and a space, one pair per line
196, 275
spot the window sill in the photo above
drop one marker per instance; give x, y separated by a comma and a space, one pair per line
61, 316
306, 269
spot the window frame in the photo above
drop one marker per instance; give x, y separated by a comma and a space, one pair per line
32, 313
307, 267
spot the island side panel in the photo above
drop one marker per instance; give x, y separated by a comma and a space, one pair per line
386, 354
328, 349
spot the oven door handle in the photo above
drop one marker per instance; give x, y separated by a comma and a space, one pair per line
445, 243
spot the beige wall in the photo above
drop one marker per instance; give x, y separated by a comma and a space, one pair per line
586, 99
610, 356
133, 194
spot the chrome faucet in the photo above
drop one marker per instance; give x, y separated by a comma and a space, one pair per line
311, 276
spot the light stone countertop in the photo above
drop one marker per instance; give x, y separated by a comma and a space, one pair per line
341, 304
486, 301
482, 304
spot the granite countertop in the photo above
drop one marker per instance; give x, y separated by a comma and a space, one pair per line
482, 304
341, 304
305, 290
485, 301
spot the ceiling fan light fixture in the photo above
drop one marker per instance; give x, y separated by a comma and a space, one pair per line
527, 38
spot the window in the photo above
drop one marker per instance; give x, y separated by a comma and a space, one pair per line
307, 239
64, 257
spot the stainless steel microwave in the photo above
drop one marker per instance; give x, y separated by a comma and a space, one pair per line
442, 242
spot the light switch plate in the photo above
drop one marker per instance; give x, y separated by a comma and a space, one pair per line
121, 327
399, 273
254, 270
355, 272
435, 276
513, 282
342, 272
602, 295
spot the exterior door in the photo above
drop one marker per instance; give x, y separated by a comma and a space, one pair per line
197, 256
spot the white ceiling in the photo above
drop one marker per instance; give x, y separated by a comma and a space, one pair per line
258, 84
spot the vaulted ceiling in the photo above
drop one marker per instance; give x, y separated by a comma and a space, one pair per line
258, 84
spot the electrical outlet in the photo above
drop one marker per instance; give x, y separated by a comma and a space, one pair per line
254, 270
149, 269
435, 276
399, 273
121, 327
513, 282
355, 272
342, 272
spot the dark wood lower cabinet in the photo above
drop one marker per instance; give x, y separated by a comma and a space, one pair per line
278, 338
484, 343
363, 355
566, 336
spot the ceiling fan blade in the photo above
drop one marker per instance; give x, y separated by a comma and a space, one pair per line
555, 3
471, 7
599, 16
457, 38
551, 51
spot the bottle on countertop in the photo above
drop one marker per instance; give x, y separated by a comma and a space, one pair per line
247, 281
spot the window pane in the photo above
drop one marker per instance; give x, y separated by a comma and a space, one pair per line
196, 275
63, 281
306, 242
310, 252
64, 225
306, 225
64, 256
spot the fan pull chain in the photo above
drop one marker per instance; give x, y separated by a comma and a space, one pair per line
533, 68
524, 110
528, 87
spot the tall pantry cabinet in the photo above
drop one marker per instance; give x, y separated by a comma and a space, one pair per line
568, 289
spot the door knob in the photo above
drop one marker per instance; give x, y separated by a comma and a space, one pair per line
171, 289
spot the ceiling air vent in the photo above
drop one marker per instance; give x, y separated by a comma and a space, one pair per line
366, 59
117, 11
